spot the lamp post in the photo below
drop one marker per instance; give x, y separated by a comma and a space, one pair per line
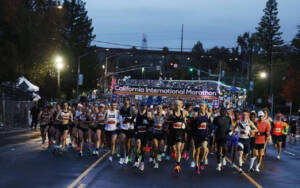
262, 76
59, 67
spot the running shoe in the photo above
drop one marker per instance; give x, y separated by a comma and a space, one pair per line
240, 170
177, 169
251, 170
80, 153
78, 148
126, 160
94, 152
192, 164
278, 157
201, 167
197, 170
224, 162
136, 164
130, 159
219, 167
110, 158
141, 167
118, 155
150, 159
173, 155
159, 158
184, 155
257, 169
163, 155
167, 157
156, 165
97, 152
206, 162
121, 161
187, 156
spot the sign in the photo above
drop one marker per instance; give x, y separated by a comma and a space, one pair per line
80, 79
171, 92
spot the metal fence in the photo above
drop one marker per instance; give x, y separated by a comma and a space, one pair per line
15, 106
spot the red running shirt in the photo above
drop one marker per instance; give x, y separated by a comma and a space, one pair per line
263, 129
278, 127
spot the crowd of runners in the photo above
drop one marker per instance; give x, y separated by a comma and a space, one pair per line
167, 132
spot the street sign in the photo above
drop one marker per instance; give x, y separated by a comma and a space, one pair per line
80, 79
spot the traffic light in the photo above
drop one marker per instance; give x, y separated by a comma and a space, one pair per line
191, 69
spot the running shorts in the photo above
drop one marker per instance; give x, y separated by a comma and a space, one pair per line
143, 138
128, 133
158, 136
259, 146
244, 145
199, 139
276, 139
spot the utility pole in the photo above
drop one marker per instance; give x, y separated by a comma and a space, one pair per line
181, 39
105, 74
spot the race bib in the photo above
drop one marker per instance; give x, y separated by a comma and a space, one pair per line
158, 126
242, 132
177, 125
111, 122
278, 130
202, 126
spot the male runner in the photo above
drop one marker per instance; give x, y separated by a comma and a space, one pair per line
177, 131
222, 131
158, 135
245, 127
126, 134
141, 126
112, 118
200, 135
279, 125
233, 139
84, 120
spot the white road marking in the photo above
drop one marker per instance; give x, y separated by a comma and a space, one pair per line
289, 153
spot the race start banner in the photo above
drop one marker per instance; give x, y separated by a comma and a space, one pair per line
169, 92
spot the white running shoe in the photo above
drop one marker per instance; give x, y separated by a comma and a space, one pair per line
278, 157
257, 169
150, 159
121, 161
136, 164
224, 162
218, 167
163, 155
156, 165
159, 158
110, 158
126, 160
205, 162
142, 167
192, 164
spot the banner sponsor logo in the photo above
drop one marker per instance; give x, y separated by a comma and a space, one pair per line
155, 91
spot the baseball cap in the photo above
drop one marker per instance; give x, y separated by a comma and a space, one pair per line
261, 113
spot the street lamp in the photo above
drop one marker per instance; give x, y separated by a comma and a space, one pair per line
263, 75
59, 66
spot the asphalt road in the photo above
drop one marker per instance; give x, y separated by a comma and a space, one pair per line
27, 164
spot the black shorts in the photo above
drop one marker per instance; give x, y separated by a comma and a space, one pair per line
111, 133
277, 139
199, 139
62, 128
244, 145
128, 133
143, 138
177, 136
101, 127
84, 129
158, 136
259, 146
252, 143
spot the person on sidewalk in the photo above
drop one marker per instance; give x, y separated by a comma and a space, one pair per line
34, 115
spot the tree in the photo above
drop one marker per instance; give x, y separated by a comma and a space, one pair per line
269, 35
296, 41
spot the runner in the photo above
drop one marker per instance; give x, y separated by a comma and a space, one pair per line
177, 131
112, 118
244, 127
126, 133
258, 151
100, 114
285, 133
200, 135
234, 138
269, 120
44, 118
141, 127
279, 125
293, 129
222, 131
187, 136
158, 135
253, 118
64, 117
83, 129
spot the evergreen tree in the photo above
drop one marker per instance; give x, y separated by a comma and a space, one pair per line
296, 41
268, 33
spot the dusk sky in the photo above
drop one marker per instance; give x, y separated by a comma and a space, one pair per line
213, 22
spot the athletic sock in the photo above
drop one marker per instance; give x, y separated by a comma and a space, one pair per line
252, 162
